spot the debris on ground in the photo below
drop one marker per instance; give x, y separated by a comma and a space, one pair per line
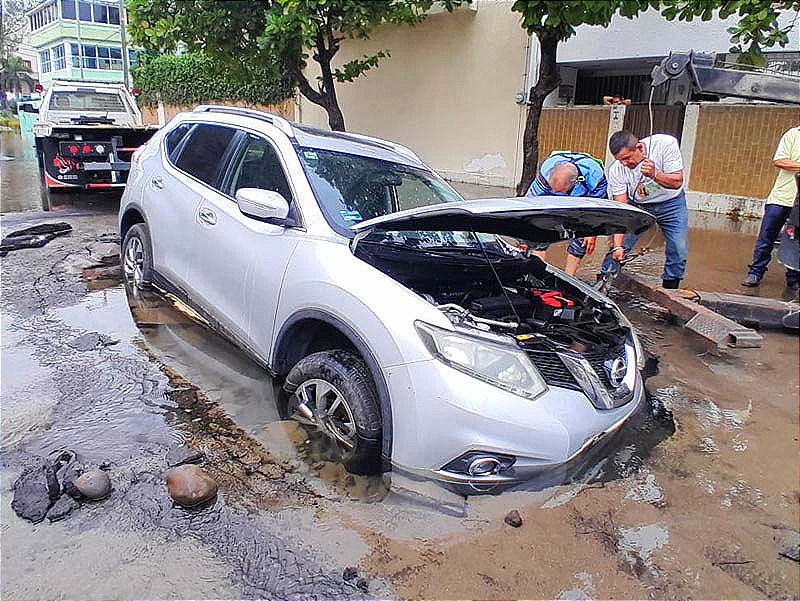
94, 484
789, 545
91, 341
349, 573
513, 519
182, 454
35, 491
189, 485
62, 508
363, 584
33, 237
104, 253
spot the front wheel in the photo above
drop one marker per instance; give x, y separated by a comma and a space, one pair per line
332, 395
137, 257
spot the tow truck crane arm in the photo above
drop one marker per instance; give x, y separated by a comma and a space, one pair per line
707, 78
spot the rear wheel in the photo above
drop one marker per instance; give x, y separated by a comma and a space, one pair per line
332, 395
137, 257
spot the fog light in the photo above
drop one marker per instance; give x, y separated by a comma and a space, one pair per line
484, 466
480, 463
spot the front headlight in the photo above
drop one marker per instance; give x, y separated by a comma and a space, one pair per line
504, 366
637, 346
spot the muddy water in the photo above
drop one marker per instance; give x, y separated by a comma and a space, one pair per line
691, 500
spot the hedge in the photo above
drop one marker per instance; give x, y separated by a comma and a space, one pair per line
193, 78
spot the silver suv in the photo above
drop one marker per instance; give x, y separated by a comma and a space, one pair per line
404, 323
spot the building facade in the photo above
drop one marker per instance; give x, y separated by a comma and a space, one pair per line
78, 40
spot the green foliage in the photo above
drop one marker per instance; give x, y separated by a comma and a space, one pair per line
193, 78
288, 33
758, 26
14, 75
560, 18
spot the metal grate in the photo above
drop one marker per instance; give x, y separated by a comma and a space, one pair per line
555, 373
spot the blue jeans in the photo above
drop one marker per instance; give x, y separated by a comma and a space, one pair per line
774, 218
575, 248
672, 216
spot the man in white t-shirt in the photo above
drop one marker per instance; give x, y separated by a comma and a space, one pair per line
648, 173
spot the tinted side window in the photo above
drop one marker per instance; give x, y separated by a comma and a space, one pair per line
174, 138
258, 166
203, 151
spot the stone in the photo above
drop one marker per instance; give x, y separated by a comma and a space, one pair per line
513, 519
93, 484
105, 253
789, 545
91, 341
350, 573
62, 508
189, 485
68, 476
183, 454
271, 471
35, 491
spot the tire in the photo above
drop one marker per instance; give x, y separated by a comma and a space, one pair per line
350, 380
137, 269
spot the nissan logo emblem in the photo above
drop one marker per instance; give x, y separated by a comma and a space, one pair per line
617, 371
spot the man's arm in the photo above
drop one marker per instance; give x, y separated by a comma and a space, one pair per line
672, 181
619, 252
788, 165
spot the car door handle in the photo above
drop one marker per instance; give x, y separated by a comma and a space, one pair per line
157, 183
207, 216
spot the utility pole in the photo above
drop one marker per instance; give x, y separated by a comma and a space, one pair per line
123, 24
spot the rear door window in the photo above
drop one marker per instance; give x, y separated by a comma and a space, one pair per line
173, 139
204, 150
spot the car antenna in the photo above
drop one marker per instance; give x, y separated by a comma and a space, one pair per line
499, 281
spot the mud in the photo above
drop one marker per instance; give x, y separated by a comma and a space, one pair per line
695, 498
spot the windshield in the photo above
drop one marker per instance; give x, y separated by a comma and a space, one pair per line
352, 188
86, 101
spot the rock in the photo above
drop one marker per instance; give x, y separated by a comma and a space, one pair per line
513, 519
35, 491
68, 476
62, 508
789, 545
94, 484
105, 253
363, 584
189, 485
91, 341
183, 454
350, 573
271, 471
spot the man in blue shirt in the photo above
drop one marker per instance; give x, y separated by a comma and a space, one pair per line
570, 174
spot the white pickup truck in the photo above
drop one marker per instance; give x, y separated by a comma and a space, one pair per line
85, 135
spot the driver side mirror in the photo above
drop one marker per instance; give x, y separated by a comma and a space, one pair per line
264, 205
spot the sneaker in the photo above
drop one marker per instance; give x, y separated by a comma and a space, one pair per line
790, 293
670, 284
751, 281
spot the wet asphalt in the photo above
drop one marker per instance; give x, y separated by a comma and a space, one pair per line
714, 453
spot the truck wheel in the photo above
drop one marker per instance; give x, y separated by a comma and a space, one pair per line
137, 257
331, 393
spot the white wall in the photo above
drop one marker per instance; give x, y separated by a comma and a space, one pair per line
650, 34
448, 92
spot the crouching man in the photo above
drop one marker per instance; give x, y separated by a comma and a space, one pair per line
648, 173
570, 174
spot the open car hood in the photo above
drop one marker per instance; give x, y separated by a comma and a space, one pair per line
540, 219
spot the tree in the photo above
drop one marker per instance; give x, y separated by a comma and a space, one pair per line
287, 31
554, 21
14, 75
12, 24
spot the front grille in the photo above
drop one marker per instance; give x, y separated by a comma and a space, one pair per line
555, 373
553, 370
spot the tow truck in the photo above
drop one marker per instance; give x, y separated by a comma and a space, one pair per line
86, 134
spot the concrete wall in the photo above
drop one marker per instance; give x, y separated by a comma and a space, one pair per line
734, 146
650, 35
448, 92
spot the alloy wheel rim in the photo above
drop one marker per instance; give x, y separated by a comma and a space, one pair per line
134, 261
320, 405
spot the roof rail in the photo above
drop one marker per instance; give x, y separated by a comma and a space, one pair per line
279, 122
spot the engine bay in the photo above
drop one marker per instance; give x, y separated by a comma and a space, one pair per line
507, 293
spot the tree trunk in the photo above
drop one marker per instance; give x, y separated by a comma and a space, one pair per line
548, 81
331, 103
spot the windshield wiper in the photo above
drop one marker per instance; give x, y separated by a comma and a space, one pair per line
441, 251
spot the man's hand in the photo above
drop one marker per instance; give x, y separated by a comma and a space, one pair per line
589, 244
619, 254
649, 168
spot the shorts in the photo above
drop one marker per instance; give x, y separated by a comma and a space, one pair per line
575, 248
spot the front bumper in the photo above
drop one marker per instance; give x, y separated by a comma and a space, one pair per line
439, 414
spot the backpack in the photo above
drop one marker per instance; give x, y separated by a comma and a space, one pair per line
590, 182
